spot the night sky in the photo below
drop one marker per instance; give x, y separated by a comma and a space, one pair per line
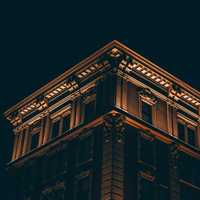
39, 41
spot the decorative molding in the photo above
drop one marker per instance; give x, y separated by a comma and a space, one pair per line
147, 95
114, 122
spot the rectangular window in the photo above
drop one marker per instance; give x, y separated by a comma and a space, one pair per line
55, 129
147, 112
147, 150
89, 112
191, 136
85, 149
83, 188
181, 131
147, 190
34, 140
66, 123
162, 163
186, 132
163, 193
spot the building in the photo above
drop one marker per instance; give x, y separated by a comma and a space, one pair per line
113, 127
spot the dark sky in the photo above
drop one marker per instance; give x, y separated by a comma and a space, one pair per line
39, 41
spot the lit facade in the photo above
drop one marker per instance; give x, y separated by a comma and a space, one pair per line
115, 126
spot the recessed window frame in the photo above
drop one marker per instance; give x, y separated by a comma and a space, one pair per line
144, 176
81, 138
151, 139
86, 101
85, 174
151, 103
58, 116
34, 131
187, 123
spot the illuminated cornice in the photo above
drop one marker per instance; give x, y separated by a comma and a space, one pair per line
113, 53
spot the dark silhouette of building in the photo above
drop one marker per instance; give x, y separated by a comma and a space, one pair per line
115, 126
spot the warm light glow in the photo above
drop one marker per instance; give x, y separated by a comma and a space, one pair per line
144, 71
148, 74
167, 85
162, 82
153, 77
139, 68
157, 79
92, 68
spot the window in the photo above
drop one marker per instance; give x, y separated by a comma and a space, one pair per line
66, 123
146, 112
186, 132
55, 129
85, 149
163, 193
181, 131
60, 125
89, 112
34, 140
83, 188
146, 149
162, 163
147, 190
35, 134
191, 136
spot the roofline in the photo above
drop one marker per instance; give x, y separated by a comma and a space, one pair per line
95, 55
160, 70
61, 77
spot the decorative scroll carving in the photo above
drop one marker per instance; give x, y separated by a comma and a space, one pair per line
114, 123
147, 95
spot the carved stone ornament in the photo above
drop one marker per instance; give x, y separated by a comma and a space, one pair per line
15, 118
147, 95
175, 92
114, 127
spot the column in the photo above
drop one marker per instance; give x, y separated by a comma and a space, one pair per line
46, 129
26, 140
112, 184
15, 146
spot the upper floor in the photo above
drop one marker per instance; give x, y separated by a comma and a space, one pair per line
114, 77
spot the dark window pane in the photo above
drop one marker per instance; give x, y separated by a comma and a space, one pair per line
85, 149
185, 166
66, 123
146, 112
89, 111
83, 189
191, 136
162, 163
147, 190
181, 131
163, 193
34, 140
36, 125
147, 151
55, 129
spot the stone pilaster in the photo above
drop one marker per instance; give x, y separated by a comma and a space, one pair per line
112, 185
174, 185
